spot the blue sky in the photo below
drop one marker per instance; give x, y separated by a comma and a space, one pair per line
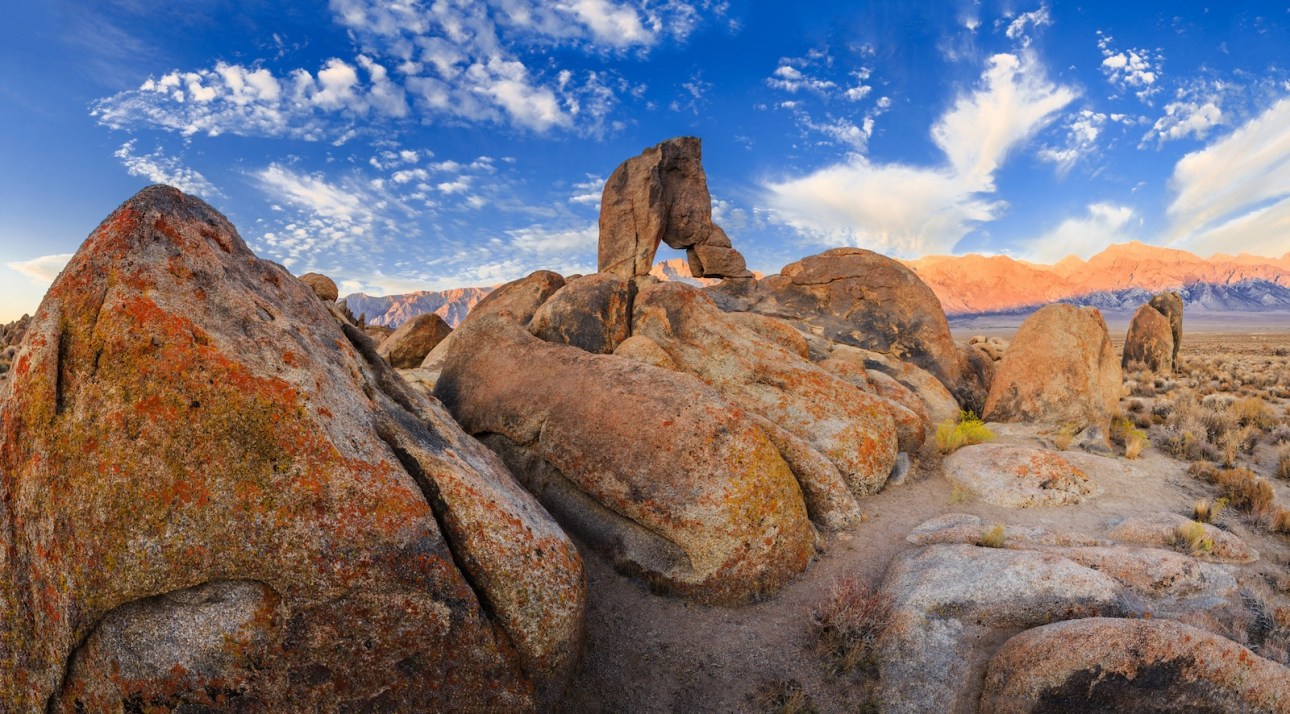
422, 144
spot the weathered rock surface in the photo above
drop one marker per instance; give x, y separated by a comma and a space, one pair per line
1161, 530
993, 346
1060, 368
1015, 476
1108, 664
650, 466
323, 286
1170, 304
592, 313
201, 468
773, 329
408, 346
662, 195
853, 429
864, 299
10, 335
1149, 341
882, 369
519, 298
643, 349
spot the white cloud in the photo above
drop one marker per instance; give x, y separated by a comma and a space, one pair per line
1017, 29
43, 269
1134, 70
546, 240
1237, 189
1103, 225
159, 168
916, 210
1184, 118
1082, 131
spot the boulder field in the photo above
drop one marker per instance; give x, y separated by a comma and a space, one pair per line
219, 493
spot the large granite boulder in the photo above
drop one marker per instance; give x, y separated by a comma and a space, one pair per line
407, 346
323, 286
1170, 304
662, 195
1060, 368
650, 466
851, 428
1109, 664
592, 313
1150, 341
1016, 476
864, 299
212, 489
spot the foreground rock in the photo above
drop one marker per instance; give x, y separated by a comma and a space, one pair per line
662, 196
864, 299
1060, 368
1017, 476
1170, 305
212, 490
407, 346
650, 466
1150, 341
1106, 664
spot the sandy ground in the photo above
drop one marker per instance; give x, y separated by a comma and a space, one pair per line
652, 653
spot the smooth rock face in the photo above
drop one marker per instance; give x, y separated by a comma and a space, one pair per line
1150, 341
1017, 476
643, 349
650, 466
1161, 530
1108, 664
867, 300
662, 195
192, 436
519, 298
407, 346
882, 369
592, 313
853, 429
323, 286
1060, 368
1170, 305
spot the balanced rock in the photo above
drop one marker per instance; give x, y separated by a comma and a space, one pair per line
323, 286
1170, 304
662, 196
210, 487
1060, 368
592, 313
1150, 341
407, 346
650, 466
852, 429
1110, 664
865, 299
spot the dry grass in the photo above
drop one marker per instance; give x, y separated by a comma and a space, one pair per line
1205, 512
848, 626
1065, 436
1190, 538
1283, 461
1134, 442
1245, 491
993, 538
784, 696
969, 430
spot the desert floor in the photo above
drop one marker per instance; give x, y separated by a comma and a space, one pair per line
651, 653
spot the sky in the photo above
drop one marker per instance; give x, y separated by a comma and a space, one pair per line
427, 144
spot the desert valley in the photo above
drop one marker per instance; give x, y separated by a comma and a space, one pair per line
857, 484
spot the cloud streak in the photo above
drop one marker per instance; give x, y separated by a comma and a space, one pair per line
41, 270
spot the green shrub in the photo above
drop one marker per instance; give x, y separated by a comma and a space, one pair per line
969, 430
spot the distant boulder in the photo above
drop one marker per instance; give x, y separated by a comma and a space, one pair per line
323, 286
407, 346
1170, 304
1059, 369
662, 196
215, 490
1149, 341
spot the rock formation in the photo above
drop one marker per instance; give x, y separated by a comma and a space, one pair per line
1059, 369
650, 466
10, 336
323, 286
662, 196
1149, 342
1170, 304
212, 489
1017, 476
407, 346
592, 313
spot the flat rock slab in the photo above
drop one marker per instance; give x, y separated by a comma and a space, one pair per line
1018, 476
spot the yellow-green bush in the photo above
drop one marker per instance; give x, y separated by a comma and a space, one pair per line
969, 430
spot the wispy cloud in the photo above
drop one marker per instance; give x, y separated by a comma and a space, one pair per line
1103, 225
160, 168
41, 270
912, 210
1236, 191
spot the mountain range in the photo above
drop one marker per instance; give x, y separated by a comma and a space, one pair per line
1121, 277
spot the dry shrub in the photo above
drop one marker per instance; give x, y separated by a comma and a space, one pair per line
1134, 442
1283, 461
993, 538
1190, 537
848, 626
969, 430
1204, 471
1136, 405
1064, 436
1280, 522
1253, 411
784, 696
1246, 491
1205, 512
